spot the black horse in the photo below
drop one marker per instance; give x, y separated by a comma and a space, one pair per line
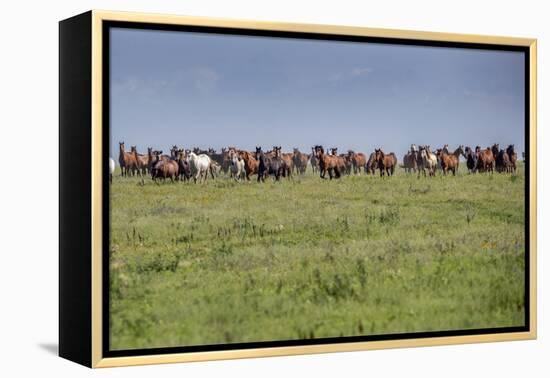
471, 159
268, 166
263, 164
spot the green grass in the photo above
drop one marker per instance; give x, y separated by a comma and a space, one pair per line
232, 262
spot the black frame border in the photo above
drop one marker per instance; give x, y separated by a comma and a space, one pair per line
107, 25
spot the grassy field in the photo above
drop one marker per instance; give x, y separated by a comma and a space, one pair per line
239, 262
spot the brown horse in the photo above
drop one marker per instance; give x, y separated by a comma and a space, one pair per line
410, 162
164, 169
347, 163
300, 161
386, 163
327, 163
358, 161
513, 157
485, 160
344, 165
501, 158
288, 163
126, 160
250, 163
372, 165
313, 160
450, 162
142, 161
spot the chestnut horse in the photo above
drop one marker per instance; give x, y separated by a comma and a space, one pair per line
450, 162
485, 160
386, 163
250, 163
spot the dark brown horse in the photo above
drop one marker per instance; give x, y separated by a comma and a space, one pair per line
183, 166
513, 157
327, 163
371, 165
386, 163
344, 165
501, 158
313, 160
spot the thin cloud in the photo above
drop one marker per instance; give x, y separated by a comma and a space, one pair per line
201, 80
353, 73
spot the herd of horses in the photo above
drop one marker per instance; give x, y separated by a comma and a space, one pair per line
490, 159
197, 164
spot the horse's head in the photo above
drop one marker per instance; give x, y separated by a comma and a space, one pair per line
351, 153
149, 151
334, 151
319, 151
295, 151
413, 148
258, 152
180, 154
510, 149
423, 152
379, 154
133, 149
495, 148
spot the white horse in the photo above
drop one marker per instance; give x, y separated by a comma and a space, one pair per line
111, 169
200, 165
237, 167
428, 161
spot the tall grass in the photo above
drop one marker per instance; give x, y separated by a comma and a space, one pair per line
237, 262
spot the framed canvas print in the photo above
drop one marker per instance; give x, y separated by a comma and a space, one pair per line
235, 189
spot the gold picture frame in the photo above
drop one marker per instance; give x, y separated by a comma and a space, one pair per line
90, 328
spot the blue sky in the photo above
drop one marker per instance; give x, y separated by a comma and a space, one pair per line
209, 90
